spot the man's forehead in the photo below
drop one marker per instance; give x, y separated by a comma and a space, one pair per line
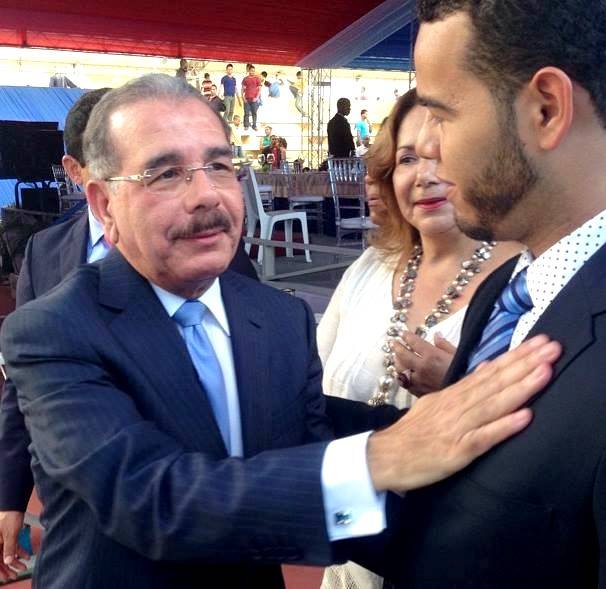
440, 54
145, 128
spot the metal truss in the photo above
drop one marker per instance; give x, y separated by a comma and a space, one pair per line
313, 130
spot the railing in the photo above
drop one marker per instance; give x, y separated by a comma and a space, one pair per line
268, 267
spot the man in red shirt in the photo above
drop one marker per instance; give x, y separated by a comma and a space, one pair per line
251, 90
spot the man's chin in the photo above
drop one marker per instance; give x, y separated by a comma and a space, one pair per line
474, 230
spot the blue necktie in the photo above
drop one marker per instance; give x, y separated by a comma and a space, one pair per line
189, 317
512, 304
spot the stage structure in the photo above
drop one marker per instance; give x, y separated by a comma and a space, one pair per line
318, 110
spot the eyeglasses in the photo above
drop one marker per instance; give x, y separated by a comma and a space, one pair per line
170, 179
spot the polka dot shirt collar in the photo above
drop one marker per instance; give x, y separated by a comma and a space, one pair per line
553, 269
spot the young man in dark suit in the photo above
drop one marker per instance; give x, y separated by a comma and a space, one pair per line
157, 438
516, 93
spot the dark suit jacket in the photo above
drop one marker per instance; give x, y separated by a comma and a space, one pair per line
532, 512
340, 139
50, 256
128, 460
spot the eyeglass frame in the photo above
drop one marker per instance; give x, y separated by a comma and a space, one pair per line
237, 171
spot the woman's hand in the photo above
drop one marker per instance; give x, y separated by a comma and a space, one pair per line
422, 366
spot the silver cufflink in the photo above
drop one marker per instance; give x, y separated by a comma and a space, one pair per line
343, 518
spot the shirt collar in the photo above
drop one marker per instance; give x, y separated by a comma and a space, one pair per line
95, 229
593, 234
211, 298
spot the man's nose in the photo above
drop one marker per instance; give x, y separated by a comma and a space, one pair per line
426, 172
201, 191
428, 144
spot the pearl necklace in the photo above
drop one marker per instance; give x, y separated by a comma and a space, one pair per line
388, 383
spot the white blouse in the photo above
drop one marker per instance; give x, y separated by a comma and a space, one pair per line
353, 329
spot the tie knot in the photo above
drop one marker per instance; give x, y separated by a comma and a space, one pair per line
190, 313
515, 298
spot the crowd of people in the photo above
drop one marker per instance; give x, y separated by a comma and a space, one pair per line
174, 413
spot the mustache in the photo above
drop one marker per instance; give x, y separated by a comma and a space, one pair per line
203, 221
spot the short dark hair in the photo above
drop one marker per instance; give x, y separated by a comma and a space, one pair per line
363, 111
76, 120
229, 65
343, 102
512, 39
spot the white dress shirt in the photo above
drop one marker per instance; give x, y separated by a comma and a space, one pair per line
553, 269
216, 326
97, 247
351, 505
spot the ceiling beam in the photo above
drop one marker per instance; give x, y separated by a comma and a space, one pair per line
362, 35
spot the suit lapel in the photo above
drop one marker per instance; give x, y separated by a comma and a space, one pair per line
480, 308
151, 341
250, 341
569, 318
76, 244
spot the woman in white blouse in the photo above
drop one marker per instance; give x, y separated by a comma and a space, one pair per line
401, 304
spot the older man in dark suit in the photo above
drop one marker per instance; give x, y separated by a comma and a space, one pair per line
51, 255
167, 398
517, 114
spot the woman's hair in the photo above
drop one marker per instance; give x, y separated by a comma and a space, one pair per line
394, 233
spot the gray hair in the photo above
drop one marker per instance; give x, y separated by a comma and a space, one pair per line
99, 151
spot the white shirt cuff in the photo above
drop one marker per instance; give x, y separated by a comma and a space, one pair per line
351, 505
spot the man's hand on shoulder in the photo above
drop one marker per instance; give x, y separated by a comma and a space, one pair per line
11, 523
445, 431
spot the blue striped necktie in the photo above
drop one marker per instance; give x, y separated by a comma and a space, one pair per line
189, 317
511, 305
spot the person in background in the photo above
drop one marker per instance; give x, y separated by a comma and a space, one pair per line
363, 128
215, 102
229, 92
265, 141
236, 137
251, 91
283, 145
183, 69
297, 88
362, 148
207, 85
340, 139
418, 253
276, 152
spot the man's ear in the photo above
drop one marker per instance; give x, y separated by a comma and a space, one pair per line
73, 168
99, 197
549, 95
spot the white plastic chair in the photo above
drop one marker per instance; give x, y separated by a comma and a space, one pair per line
255, 214
346, 175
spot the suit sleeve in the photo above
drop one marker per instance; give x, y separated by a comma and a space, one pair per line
146, 490
16, 482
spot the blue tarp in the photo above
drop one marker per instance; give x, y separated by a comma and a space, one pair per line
19, 103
